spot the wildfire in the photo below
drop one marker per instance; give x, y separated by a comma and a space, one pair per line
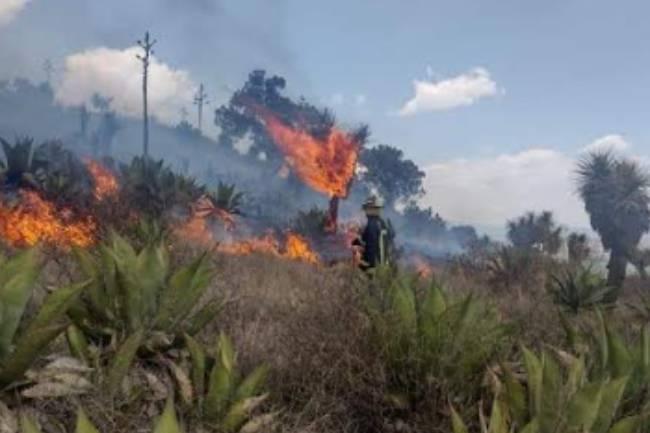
326, 165
196, 231
422, 267
204, 207
35, 220
295, 247
105, 182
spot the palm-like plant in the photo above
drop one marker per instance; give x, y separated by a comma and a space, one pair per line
227, 198
579, 289
19, 349
19, 167
138, 303
616, 196
533, 231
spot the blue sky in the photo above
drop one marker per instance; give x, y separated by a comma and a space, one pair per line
564, 74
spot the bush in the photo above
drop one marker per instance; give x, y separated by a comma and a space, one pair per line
579, 289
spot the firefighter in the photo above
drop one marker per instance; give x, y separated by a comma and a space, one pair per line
376, 237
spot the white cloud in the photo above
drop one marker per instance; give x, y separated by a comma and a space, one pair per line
612, 142
491, 191
9, 9
118, 74
450, 93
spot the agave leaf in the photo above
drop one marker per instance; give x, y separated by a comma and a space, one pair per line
252, 383
17, 278
151, 267
84, 425
240, 411
515, 397
498, 422
457, 423
534, 374
628, 424
620, 359
77, 344
576, 376
183, 292
226, 352
612, 394
168, 422
28, 424
260, 423
123, 360
203, 317
552, 394
434, 304
582, 409
531, 427
183, 381
40, 332
197, 355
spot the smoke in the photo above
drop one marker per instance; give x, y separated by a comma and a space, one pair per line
9, 9
117, 74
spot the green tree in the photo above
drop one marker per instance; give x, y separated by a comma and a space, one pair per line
394, 177
616, 197
533, 231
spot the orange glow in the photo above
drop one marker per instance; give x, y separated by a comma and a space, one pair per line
422, 267
295, 248
104, 181
35, 220
326, 165
195, 230
204, 207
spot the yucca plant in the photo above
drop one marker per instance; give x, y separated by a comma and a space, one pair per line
19, 167
22, 340
227, 198
578, 289
510, 266
137, 303
225, 399
166, 423
555, 397
156, 188
430, 342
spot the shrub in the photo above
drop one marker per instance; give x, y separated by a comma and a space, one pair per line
579, 289
21, 343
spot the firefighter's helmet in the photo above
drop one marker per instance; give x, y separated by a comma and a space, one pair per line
373, 205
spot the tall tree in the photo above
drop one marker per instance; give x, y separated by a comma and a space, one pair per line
532, 231
147, 47
395, 178
616, 195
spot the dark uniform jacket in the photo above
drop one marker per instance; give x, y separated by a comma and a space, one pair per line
374, 240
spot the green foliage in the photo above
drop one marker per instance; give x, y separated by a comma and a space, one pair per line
556, 397
394, 177
229, 400
535, 232
429, 342
616, 193
19, 167
19, 349
155, 188
166, 423
510, 266
139, 302
228, 198
311, 223
578, 289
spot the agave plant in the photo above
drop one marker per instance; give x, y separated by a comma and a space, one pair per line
556, 397
19, 349
579, 289
228, 199
156, 188
311, 223
427, 340
509, 266
166, 423
225, 399
19, 167
136, 302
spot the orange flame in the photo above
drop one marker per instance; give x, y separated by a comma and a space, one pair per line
325, 165
295, 248
35, 220
104, 181
195, 230
422, 267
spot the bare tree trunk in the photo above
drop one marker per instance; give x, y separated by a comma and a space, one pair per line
617, 268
